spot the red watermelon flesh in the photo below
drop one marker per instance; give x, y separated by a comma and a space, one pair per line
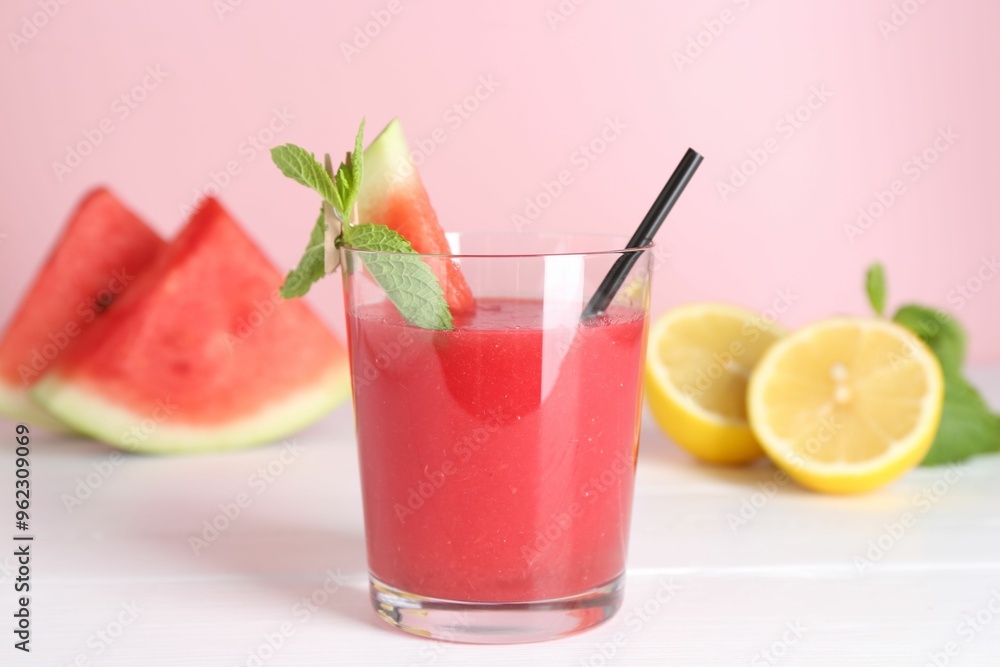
102, 249
202, 354
393, 195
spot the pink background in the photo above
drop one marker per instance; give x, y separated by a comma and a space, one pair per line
781, 232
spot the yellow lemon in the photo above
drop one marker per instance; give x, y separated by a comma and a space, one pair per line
699, 359
848, 404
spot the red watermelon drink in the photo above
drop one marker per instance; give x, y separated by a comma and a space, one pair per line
497, 424
498, 457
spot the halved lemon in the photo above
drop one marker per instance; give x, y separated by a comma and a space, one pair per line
699, 359
848, 404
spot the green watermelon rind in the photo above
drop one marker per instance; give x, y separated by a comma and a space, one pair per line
387, 163
16, 404
84, 409
133, 246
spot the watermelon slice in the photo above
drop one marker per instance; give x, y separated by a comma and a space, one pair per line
201, 354
102, 249
393, 195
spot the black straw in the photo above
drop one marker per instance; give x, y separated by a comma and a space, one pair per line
644, 234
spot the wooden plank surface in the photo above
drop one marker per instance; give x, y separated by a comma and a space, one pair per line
754, 572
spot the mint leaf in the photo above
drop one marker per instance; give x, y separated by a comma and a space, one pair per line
339, 191
301, 166
875, 286
310, 268
942, 333
968, 426
349, 174
407, 280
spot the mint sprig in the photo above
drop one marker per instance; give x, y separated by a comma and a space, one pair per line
302, 167
968, 425
340, 189
875, 287
407, 280
942, 333
310, 268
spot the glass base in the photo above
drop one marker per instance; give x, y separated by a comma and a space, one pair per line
496, 622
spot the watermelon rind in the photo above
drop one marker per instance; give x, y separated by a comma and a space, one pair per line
169, 368
86, 410
388, 157
101, 243
18, 406
392, 194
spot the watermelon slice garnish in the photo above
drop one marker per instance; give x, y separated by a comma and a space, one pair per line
201, 354
393, 195
96, 260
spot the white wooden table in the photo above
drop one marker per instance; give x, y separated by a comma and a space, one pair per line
725, 569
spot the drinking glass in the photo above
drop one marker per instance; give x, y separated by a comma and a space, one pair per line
498, 458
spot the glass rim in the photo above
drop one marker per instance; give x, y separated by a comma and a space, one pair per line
513, 255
